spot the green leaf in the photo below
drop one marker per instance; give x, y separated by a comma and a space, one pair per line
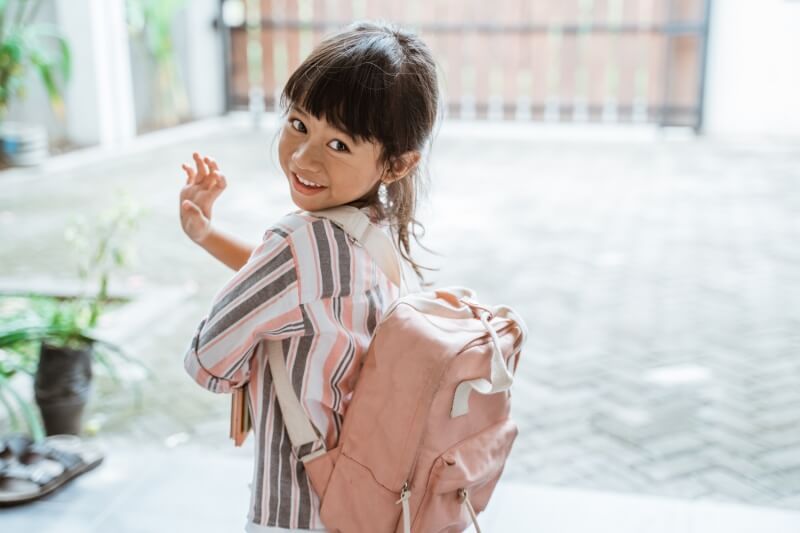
12, 413
28, 411
41, 31
46, 73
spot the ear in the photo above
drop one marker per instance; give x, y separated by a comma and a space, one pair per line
401, 167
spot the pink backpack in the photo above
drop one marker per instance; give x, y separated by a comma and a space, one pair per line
428, 431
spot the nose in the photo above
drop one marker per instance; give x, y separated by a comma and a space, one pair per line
305, 158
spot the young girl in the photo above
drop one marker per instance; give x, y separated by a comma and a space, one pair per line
358, 113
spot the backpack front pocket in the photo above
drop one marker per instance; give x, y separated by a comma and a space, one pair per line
462, 479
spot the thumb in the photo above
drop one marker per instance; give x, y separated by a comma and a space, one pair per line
191, 207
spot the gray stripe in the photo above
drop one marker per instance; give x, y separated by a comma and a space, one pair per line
337, 423
344, 260
246, 307
270, 266
279, 232
196, 338
324, 252
289, 328
379, 294
285, 501
304, 513
344, 364
276, 455
266, 388
298, 371
306, 321
371, 316
299, 367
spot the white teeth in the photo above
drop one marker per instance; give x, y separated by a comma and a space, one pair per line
308, 183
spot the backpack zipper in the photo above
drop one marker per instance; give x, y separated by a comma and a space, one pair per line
405, 490
405, 495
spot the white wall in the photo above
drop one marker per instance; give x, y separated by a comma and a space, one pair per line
200, 53
109, 93
753, 72
99, 98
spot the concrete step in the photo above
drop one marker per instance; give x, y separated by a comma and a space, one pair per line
204, 488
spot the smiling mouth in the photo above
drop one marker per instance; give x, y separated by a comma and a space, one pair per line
307, 183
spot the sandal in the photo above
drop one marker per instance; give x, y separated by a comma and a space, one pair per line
43, 467
11, 448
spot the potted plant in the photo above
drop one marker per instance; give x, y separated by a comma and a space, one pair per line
55, 339
23, 45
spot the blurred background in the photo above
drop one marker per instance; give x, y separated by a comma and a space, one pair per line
624, 173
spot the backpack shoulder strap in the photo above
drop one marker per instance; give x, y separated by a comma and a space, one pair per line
377, 243
381, 249
301, 430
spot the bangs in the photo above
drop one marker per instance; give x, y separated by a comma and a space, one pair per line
348, 84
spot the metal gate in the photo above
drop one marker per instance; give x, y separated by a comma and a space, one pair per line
545, 60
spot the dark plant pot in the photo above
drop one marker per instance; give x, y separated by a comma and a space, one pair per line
62, 386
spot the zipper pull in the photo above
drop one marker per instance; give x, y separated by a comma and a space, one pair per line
405, 494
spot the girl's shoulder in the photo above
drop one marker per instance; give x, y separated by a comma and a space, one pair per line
299, 219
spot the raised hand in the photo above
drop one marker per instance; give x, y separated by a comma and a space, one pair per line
203, 185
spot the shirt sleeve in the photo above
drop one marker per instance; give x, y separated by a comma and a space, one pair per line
260, 302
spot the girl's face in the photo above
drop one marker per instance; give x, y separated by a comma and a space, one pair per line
312, 150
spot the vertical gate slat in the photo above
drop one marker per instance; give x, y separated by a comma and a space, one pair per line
555, 60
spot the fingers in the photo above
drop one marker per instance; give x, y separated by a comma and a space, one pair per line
218, 180
221, 182
190, 174
202, 170
207, 174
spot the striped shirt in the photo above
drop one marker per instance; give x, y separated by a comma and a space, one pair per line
309, 285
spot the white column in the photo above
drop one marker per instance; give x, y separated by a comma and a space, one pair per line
99, 97
205, 70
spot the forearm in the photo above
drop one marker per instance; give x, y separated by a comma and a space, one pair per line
227, 248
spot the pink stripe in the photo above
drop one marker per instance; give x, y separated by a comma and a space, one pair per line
315, 255
247, 343
290, 241
242, 273
294, 314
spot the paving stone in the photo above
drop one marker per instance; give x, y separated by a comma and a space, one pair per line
748, 445
624, 259
690, 487
729, 484
679, 443
781, 459
674, 467
782, 437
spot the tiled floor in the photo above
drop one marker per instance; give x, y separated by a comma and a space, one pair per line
660, 279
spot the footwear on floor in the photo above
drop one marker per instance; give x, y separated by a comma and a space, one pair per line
28, 472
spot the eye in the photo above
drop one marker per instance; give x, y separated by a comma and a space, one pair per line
338, 145
298, 125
